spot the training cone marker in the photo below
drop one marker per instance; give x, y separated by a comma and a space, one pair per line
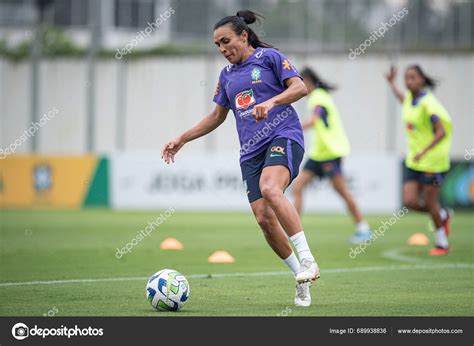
171, 244
418, 239
221, 257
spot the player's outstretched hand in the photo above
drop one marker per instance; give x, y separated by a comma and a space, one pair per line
170, 149
391, 74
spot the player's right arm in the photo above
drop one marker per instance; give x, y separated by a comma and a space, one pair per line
309, 123
208, 124
391, 81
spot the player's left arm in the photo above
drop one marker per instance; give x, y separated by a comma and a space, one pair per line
295, 89
439, 133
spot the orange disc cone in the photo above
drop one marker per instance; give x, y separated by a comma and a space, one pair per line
171, 244
418, 239
221, 257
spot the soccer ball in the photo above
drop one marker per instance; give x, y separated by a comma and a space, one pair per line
167, 290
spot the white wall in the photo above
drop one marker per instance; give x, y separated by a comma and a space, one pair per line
164, 96
199, 182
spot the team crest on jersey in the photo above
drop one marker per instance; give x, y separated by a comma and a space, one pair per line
244, 99
256, 74
410, 127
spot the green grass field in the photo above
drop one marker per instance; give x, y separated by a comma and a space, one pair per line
389, 279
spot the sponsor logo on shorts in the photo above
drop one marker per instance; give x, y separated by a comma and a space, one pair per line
277, 151
246, 187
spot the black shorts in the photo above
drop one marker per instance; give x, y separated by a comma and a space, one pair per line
425, 178
324, 169
279, 152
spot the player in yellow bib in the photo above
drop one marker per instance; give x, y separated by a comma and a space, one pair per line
329, 146
428, 132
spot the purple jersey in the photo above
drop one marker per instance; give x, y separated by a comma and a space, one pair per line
242, 86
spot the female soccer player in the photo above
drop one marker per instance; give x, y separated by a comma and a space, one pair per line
428, 131
330, 144
259, 86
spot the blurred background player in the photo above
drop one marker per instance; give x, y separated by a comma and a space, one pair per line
428, 132
260, 84
329, 146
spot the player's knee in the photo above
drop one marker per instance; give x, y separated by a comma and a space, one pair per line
271, 192
410, 202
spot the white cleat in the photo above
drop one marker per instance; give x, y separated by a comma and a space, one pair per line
309, 271
302, 295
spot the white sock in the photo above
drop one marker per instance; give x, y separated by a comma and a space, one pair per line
363, 227
441, 239
293, 263
443, 214
301, 246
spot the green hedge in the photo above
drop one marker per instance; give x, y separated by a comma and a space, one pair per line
56, 43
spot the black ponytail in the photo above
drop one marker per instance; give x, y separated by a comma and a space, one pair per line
316, 80
429, 81
239, 24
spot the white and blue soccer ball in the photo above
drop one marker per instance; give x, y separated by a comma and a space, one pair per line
168, 290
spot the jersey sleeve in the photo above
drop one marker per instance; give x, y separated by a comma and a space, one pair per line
431, 110
220, 95
323, 114
282, 67
430, 105
434, 118
315, 104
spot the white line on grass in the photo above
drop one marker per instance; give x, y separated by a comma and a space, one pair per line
275, 273
395, 255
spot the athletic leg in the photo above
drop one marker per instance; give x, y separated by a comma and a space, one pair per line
298, 187
340, 185
272, 230
273, 183
431, 195
411, 196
